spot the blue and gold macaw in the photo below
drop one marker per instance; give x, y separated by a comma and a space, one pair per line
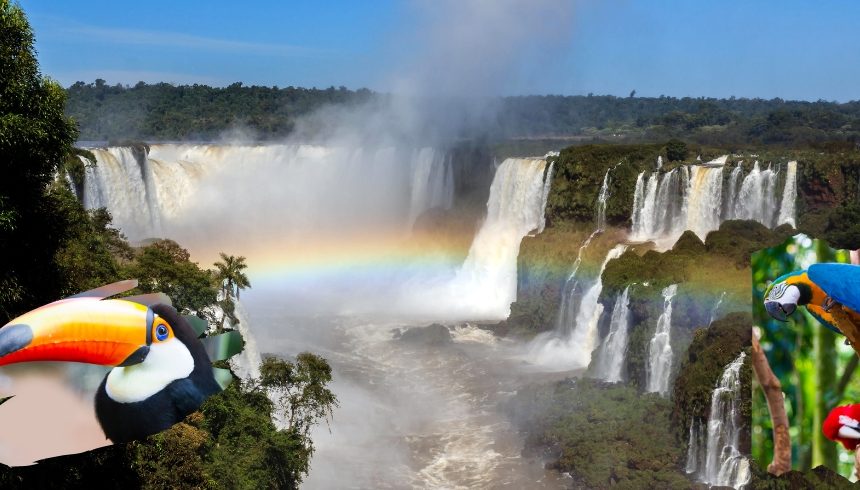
830, 292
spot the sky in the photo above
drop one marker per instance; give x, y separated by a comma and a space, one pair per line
787, 48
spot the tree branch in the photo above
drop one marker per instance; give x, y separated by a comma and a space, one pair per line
776, 406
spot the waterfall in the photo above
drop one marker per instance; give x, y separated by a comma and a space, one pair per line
705, 202
716, 308
732, 192
174, 189
568, 308
602, 198
638, 205
583, 335
547, 186
660, 348
756, 199
789, 196
571, 344
724, 464
659, 162
123, 185
432, 182
695, 448
610, 356
488, 277
698, 198
247, 363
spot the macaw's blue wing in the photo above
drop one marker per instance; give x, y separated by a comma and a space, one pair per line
839, 281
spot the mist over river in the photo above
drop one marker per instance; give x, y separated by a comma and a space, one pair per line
337, 267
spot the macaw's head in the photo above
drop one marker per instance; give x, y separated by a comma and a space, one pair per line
843, 425
109, 332
786, 293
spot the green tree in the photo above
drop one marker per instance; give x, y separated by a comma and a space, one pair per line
230, 274
300, 389
35, 137
167, 267
676, 150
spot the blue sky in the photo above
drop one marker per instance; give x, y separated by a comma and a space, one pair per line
790, 49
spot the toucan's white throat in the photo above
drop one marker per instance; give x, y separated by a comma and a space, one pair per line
166, 362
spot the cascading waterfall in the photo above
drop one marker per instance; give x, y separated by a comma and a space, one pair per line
610, 357
789, 196
547, 187
756, 199
567, 310
583, 335
571, 344
162, 193
716, 308
432, 182
659, 162
705, 199
724, 464
698, 198
695, 447
660, 348
247, 363
732, 192
123, 185
488, 277
602, 198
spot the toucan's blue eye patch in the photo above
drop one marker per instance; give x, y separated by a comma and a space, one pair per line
161, 332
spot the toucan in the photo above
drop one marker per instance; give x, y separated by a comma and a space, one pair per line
819, 288
843, 425
162, 369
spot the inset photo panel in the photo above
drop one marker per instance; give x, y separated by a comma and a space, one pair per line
806, 387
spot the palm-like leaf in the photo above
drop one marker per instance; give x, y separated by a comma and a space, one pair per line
230, 274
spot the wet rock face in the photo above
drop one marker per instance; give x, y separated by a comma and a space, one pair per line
432, 335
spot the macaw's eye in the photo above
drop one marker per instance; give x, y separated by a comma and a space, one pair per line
161, 332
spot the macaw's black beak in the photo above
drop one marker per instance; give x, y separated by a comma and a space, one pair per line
779, 311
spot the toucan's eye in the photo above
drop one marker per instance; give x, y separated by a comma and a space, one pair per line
161, 332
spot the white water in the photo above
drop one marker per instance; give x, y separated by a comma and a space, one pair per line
408, 417
700, 199
432, 182
570, 346
756, 199
705, 200
716, 308
789, 196
659, 366
695, 447
547, 187
247, 363
602, 198
568, 308
610, 356
724, 464
171, 191
488, 278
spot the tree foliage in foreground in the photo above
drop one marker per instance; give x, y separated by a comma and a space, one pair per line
35, 138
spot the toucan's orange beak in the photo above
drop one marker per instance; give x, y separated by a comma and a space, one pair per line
92, 330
